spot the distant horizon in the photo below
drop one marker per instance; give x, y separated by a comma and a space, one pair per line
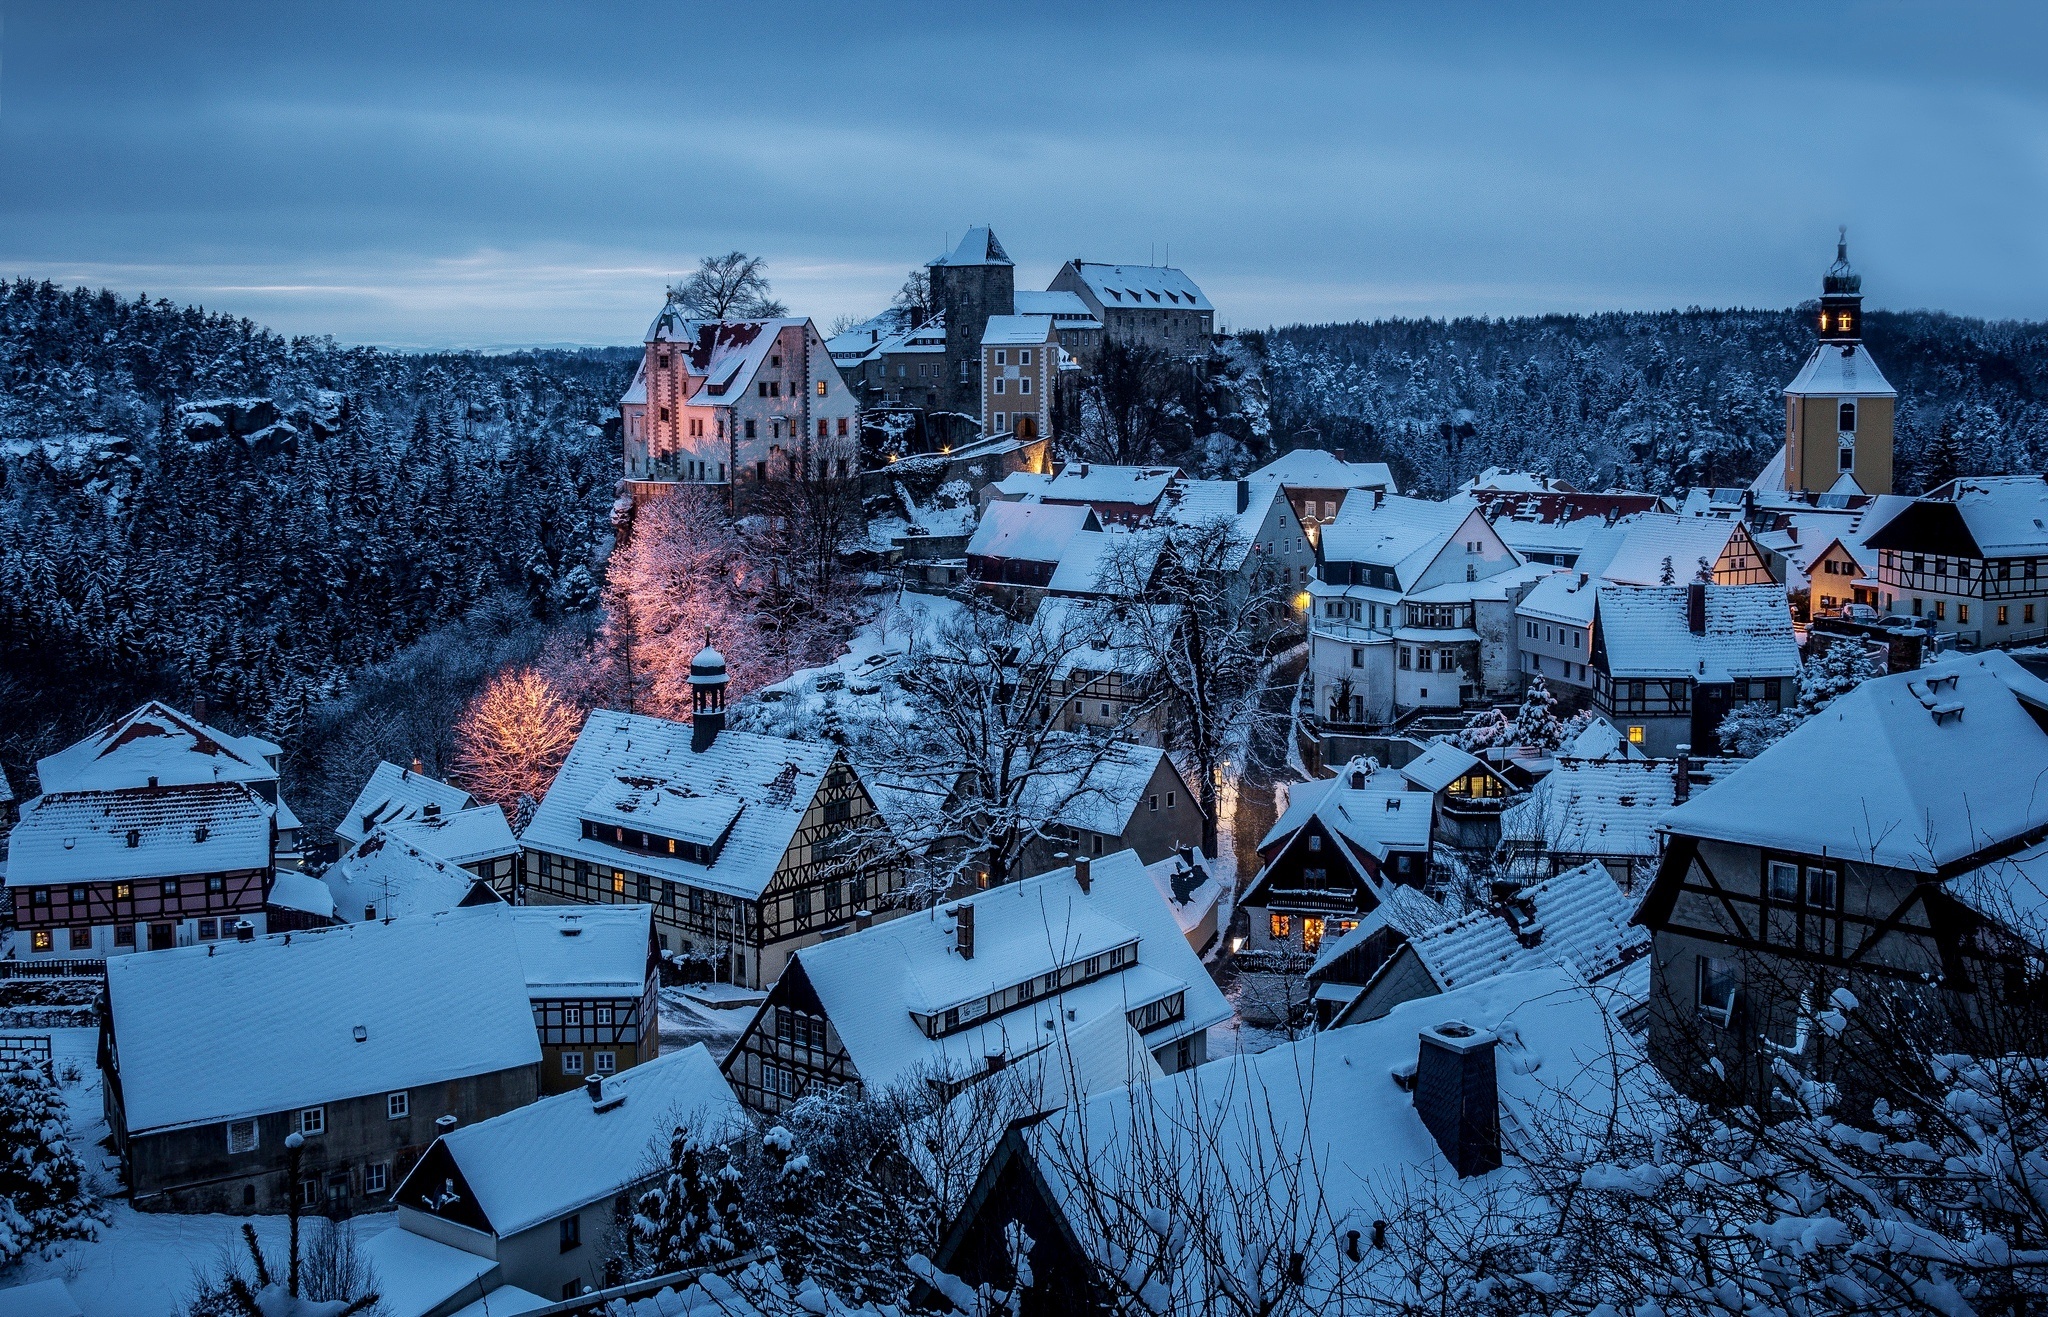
524, 173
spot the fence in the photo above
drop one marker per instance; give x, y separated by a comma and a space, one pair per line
53, 969
32, 1049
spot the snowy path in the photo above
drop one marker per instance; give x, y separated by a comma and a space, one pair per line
684, 1022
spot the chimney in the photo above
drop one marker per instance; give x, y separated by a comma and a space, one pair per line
199, 709
1081, 874
1748, 505
708, 679
1681, 776
1696, 607
863, 919
417, 766
1244, 495
244, 931
594, 1085
963, 931
432, 810
1456, 1095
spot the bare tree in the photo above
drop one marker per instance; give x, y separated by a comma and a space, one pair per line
1136, 407
729, 287
914, 298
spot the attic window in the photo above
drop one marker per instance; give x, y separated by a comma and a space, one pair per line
134, 838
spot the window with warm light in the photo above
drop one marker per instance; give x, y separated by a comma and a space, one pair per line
1280, 926
1635, 734
618, 884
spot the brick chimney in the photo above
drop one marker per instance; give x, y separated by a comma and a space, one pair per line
1244, 495
1696, 607
963, 931
1457, 1097
1681, 776
1081, 874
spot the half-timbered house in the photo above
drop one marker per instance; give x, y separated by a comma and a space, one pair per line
1327, 861
591, 974
1772, 892
958, 991
747, 846
397, 795
1669, 662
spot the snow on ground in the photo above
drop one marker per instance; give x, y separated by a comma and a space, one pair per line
143, 1262
856, 688
684, 1021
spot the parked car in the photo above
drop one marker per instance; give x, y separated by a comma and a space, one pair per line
1902, 622
1863, 613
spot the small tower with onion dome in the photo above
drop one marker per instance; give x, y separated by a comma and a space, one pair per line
707, 696
1838, 409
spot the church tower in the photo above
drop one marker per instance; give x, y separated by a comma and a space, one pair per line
1838, 409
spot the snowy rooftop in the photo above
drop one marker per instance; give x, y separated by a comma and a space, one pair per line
1609, 807
417, 1275
464, 837
774, 778
1198, 503
385, 878
1403, 909
1190, 887
1314, 468
1501, 479
1580, 919
1633, 552
394, 795
1748, 633
1565, 597
2012, 890
869, 982
1922, 769
978, 246
1153, 287
1116, 560
1380, 816
228, 1030
156, 741
1841, 370
1439, 766
1100, 792
2005, 515
1063, 306
1092, 482
84, 836
1395, 531
583, 950
538, 1162
1024, 330
723, 354
1033, 532
1099, 635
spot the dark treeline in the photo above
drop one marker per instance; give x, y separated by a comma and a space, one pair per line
193, 506
1648, 400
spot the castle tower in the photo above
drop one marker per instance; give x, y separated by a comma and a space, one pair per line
972, 282
1838, 409
707, 697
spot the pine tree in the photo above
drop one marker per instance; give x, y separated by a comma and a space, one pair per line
43, 1196
1537, 723
693, 1217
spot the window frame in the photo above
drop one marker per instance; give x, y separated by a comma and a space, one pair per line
398, 1104
314, 1128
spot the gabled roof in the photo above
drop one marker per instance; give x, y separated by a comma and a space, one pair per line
83, 836
1190, 886
1748, 633
1103, 790
464, 837
387, 878
1024, 330
1610, 807
228, 1030
1196, 503
1395, 531
1092, 482
583, 950
1101, 635
1921, 769
1973, 517
1032, 532
1314, 468
1841, 370
1380, 816
869, 982
1565, 597
156, 741
773, 778
978, 246
726, 354
532, 1164
1113, 561
1579, 918
1634, 551
1402, 909
1145, 287
394, 795
1440, 765
1063, 306
1499, 479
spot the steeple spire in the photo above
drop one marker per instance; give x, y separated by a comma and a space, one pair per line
1841, 297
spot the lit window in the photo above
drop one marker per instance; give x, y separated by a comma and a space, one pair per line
1280, 926
1635, 734
41, 940
821, 388
618, 884
1311, 934
1842, 322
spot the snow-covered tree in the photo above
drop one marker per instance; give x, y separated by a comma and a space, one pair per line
514, 736
1537, 723
1747, 730
1485, 729
1834, 671
692, 1216
44, 1199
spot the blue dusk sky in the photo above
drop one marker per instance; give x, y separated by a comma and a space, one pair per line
525, 173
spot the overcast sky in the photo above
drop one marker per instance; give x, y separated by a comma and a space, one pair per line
426, 173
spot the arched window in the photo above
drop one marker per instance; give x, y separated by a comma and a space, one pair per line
1848, 416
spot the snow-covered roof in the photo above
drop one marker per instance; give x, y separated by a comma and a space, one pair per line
1092, 482
1315, 468
978, 246
1578, 918
537, 1162
774, 779
394, 795
1394, 531
2006, 515
1151, 287
724, 354
1190, 887
1633, 552
1033, 532
480, 832
1565, 597
871, 981
1609, 807
1100, 792
1062, 306
1197, 503
157, 742
1920, 769
1403, 909
228, 1030
1025, 330
1748, 633
1841, 370
1439, 766
85, 836
864, 338
1331, 1097
294, 889
1380, 816
636, 392
1504, 480
2012, 890
386, 878
583, 950
1101, 635
416, 1275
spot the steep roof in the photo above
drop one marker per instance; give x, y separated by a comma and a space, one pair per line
869, 982
1565, 597
1033, 532
1403, 909
1394, 531
1748, 633
1440, 765
1921, 768
1999, 516
387, 878
537, 1162
1578, 918
1841, 370
1610, 807
1381, 815
726, 354
229, 1030
978, 246
156, 741
1196, 503
1102, 792
1636, 552
83, 836
464, 837
1315, 468
1190, 887
1148, 287
631, 768
1063, 306
394, 795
